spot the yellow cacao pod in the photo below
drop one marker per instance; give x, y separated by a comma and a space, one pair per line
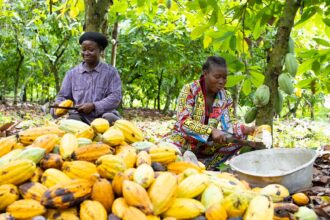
108, 165
180, 166
51, 161
276, 191
80, 169
46, 141
117, 183
113, 136
184, 208
25, 208
92, 210
260, 207
91, 152
32, 190
144, 175
29, 135
300, 199
65, 103
68, 144
53, 176
100, 125
192, 186
143, 157
7, 144
119, 207
211, 195
62, 214
129, 157
17, 172
216, 212
164, 157
37, 174
132, 213
103, 193
8, 195
131, 132
236, 204
162, 192
67, 194
136, 195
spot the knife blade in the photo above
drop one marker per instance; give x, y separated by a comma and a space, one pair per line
62, 107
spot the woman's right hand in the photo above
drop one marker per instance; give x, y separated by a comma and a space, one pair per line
218, 136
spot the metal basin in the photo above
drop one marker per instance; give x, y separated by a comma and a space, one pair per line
291, 167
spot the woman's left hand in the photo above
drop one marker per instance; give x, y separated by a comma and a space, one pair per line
249, 130
86, 108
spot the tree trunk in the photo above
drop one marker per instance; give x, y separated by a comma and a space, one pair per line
160, 80
235, 98
274, 68
18, 68
95, 15
114, 44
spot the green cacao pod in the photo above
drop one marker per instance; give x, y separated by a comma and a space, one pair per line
291, 64
278, 102
291, 45
250, 115
285, 84
261, 96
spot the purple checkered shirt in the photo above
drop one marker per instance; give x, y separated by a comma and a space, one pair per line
101, 86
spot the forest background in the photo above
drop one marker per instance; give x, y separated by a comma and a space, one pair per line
160, 45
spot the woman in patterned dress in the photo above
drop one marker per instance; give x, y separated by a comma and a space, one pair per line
204, 113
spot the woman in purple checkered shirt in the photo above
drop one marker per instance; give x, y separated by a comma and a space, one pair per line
93, 86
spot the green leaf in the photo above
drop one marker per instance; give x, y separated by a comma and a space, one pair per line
322, 42
305, 83
140, 3
232, 43
257, 30
168, 4
206, 41
257, 78
233, 80
225, 36
246, 87
327, 21
307, 14
198, 32
316, 66
203, 5
214, 17
305, 66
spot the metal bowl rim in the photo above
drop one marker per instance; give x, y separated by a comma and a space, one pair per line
270, 175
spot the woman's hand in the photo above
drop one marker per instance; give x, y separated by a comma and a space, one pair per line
218, 136
86, 108
249, 130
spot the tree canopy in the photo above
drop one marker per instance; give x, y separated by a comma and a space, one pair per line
161, 44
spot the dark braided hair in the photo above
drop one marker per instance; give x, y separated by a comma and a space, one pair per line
214, 60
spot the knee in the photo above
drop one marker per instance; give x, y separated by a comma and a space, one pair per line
75, 117
111, 117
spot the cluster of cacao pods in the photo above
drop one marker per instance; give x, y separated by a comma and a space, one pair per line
262, 94
72, 170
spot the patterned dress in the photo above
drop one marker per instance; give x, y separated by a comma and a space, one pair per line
194, 124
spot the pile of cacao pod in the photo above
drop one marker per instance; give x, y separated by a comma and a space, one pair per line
71, 170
